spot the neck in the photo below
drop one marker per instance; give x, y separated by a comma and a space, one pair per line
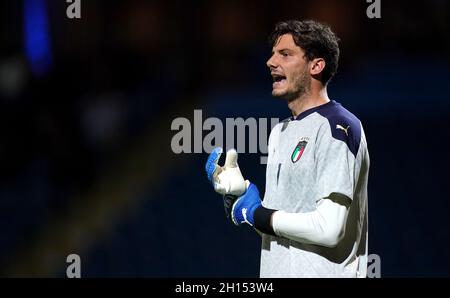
307, 101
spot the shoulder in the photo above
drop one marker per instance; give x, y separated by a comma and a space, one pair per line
343, 125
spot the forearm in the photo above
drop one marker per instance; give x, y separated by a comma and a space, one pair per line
325, 226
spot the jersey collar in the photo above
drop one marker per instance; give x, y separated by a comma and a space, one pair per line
312, 110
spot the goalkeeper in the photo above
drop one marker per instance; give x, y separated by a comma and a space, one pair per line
313, 219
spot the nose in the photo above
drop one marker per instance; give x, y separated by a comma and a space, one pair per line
271, 63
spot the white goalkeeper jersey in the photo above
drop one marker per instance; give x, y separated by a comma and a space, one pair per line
320, 152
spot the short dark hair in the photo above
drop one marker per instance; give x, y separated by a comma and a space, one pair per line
316, 39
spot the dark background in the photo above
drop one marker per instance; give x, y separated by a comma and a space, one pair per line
86, 107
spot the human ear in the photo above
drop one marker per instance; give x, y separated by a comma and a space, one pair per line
317, 65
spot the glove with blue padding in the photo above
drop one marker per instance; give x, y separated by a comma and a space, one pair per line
227, 180
244, 207
241, 198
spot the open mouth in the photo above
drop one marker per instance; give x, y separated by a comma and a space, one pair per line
278, 80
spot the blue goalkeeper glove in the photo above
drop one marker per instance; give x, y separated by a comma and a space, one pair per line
227, 180
244, 207
240, 197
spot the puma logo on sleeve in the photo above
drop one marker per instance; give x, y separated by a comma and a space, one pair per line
338, 126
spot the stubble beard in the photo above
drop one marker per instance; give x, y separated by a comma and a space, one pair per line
301, 88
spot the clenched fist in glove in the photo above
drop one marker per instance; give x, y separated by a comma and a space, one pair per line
226, 179
241, 198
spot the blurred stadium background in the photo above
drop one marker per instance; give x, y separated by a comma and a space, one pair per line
86, 107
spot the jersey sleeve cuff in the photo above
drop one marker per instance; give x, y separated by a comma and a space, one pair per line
262, 218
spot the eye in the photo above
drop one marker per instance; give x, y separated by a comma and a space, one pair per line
284, 54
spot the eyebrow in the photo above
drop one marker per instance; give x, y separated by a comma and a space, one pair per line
282, 50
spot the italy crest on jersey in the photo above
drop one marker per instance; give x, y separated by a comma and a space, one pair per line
299, 149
